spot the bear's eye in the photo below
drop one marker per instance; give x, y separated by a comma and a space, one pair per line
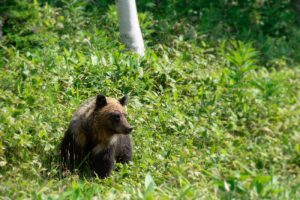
116, 117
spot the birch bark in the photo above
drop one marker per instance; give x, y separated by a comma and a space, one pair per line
129, 26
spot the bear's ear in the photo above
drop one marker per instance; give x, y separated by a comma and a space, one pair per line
101, 101
123, 101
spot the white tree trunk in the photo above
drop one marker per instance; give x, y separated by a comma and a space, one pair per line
129, 26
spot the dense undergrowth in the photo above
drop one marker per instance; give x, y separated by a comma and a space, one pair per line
214, 102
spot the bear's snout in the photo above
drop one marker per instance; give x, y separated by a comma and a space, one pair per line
128, 130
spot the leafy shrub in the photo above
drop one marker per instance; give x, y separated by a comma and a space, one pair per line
214, 117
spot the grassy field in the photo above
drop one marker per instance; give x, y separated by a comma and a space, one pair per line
215, 102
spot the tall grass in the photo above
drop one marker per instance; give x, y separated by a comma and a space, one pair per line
215, 117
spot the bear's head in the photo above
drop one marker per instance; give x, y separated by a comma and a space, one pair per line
111, 116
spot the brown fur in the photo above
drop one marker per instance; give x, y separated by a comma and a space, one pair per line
99, 127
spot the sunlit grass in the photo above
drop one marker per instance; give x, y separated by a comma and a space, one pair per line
209, 120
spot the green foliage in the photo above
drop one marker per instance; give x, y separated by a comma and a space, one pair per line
149, 188
214, 102
270, 23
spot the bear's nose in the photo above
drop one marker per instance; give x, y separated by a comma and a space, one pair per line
129, 130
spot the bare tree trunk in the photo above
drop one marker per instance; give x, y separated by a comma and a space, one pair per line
1, 25
129, 26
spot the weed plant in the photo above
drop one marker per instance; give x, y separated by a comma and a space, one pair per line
215, 102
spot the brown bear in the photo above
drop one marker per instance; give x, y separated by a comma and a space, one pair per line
99, 132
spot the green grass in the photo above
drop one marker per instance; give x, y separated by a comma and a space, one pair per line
214, 117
